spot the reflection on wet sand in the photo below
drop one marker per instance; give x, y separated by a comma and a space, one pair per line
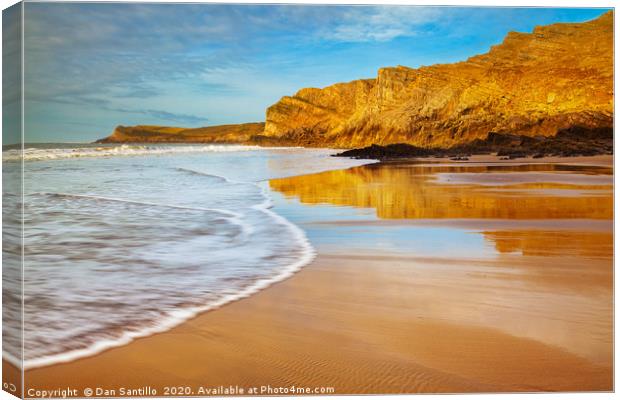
552, 243
415, 192
542, 269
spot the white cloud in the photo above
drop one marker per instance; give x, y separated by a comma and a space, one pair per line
381, 24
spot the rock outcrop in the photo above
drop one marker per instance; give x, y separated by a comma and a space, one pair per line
575, 141
240, 133
534, 84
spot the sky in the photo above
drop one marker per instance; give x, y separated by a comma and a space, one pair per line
91, 67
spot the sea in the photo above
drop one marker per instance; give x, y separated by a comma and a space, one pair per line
124, 241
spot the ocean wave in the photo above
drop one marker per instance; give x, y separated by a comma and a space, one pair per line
146, 203
41, 154
217, 177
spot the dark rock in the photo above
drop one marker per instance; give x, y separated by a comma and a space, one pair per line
570, 142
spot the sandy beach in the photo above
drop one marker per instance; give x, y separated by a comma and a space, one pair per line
525, 306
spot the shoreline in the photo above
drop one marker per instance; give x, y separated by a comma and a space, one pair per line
177, 340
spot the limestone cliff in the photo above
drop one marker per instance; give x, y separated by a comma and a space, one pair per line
241, 133
558, 77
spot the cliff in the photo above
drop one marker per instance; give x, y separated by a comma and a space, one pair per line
240, 133
534, 84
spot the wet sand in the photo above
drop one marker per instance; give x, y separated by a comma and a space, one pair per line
529, 310
371, 325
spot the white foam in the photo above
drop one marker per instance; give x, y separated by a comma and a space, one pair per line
233, 217
145, 203
39, 154
222, 178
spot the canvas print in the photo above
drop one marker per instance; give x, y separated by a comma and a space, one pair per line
230, 199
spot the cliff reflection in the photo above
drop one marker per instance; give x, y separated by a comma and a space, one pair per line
415, 192
553, 243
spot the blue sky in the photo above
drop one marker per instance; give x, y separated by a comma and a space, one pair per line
90, 67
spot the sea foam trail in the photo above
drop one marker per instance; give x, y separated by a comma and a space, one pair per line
221, 178
181, 315
233, 217
41, 154
146, 203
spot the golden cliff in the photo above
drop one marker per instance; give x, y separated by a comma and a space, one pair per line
558, 77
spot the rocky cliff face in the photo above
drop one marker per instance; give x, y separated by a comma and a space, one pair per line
241, 133
556, 78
